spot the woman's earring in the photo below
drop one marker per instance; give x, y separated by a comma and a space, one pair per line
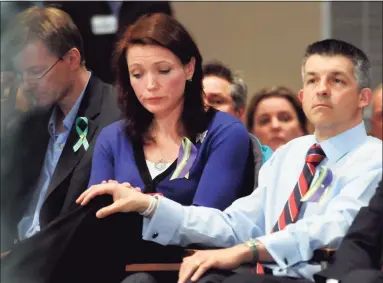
190, 80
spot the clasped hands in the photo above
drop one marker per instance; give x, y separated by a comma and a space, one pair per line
126, 198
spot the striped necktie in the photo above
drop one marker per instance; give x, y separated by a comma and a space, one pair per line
290, 212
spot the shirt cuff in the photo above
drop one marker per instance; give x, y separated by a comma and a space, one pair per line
282, 247
158, 228
332, 281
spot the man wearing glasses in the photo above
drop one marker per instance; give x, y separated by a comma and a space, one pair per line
46, 157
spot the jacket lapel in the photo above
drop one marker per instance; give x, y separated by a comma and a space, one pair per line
90, 108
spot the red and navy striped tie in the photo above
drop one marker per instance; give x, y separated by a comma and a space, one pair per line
291, 210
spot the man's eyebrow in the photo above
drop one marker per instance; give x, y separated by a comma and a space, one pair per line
336, 73
214, 94
332, 73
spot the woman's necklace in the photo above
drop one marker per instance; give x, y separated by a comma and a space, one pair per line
160, 164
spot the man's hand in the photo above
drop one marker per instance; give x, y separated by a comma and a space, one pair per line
193, 267
125, 198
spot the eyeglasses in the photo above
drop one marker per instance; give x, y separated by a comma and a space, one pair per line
36, 76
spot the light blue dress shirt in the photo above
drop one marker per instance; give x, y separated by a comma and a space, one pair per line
30, 223
356, 162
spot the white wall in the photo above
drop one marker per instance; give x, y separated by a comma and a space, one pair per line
264, 40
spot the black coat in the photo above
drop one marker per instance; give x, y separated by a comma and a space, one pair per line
362, 247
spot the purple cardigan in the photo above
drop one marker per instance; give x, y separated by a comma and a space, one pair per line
215, 178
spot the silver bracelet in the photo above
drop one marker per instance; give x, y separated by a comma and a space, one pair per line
151, 207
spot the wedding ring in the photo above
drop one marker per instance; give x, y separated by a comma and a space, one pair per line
198, 263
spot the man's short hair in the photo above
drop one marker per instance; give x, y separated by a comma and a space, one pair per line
238, 90
52, 26
334, 47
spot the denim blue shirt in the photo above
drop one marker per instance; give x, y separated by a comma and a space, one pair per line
30, 223
356, 162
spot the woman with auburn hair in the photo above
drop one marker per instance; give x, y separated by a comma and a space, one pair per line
275, 116
168, 143
167, 146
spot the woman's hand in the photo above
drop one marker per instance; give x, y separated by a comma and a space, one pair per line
125, 198
128, 185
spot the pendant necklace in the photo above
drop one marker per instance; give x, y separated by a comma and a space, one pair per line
160, 164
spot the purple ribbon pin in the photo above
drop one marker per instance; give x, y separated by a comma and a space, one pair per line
185, 160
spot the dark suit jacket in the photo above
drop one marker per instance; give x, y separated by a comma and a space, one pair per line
99, 48
362, 247
23, 153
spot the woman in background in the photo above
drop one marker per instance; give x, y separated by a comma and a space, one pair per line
275, 116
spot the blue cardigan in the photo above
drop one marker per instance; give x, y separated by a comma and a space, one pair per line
215, 178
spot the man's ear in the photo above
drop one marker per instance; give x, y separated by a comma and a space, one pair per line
189, 69
300, 95
365, 97
240, 113
73, 57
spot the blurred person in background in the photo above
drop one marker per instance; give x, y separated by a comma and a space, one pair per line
377, 114
227, 92
223, 90
102, 23
276, 117
46, 156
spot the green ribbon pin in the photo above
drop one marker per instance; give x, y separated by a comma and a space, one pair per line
82, 141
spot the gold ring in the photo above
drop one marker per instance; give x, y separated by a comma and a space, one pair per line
198, 263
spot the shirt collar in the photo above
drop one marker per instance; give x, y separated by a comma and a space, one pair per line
338, 146
70, 117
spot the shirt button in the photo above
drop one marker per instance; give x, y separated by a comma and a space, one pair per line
155, 235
